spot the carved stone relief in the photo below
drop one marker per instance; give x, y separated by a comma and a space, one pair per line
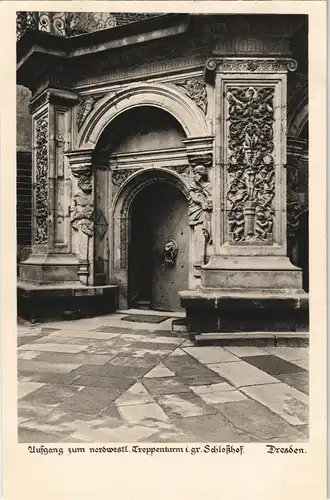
250, 182
84, 107
118, 177
182, 170
196, 90
41, 182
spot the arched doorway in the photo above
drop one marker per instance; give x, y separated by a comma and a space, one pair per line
141, 188
158, 247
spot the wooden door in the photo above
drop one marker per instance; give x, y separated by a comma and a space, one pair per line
169, 221
159, 215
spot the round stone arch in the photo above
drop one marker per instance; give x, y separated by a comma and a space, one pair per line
121, 220
164, 96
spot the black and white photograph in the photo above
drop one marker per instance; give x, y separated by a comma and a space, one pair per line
162, 228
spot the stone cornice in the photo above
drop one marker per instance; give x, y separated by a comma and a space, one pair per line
149, 159
145, 71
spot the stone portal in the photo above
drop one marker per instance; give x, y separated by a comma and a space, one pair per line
197, 116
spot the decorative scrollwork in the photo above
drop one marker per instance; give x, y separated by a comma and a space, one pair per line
250, 170
41, 182
74, 23
196, 90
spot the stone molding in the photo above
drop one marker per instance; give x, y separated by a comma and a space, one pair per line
155, 69
297, 147
149, 159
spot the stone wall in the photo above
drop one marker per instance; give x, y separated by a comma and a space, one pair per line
24, 173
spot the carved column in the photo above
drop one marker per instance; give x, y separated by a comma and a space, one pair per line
250, 176
51, 259
82, 212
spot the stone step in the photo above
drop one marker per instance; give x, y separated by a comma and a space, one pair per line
179, 325
142, 304
294, 339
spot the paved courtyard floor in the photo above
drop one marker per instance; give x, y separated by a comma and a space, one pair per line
107, 380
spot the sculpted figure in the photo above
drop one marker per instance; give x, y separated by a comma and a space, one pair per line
263, 226
82, 214
199, 212
200, 197
236, 225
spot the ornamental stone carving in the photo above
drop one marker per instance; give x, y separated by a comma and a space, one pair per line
196, 90
182, 171
84, 107
250, 182
41, 182
118, 177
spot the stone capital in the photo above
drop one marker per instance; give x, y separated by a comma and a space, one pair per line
80, 159
53, 96
248, 65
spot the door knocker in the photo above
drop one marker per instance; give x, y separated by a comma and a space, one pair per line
171, 251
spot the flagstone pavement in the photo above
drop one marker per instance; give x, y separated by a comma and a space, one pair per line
108, 380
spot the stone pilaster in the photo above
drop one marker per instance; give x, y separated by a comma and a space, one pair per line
249, 282
250, 176
51, 259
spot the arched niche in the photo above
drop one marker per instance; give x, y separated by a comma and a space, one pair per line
163, 96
